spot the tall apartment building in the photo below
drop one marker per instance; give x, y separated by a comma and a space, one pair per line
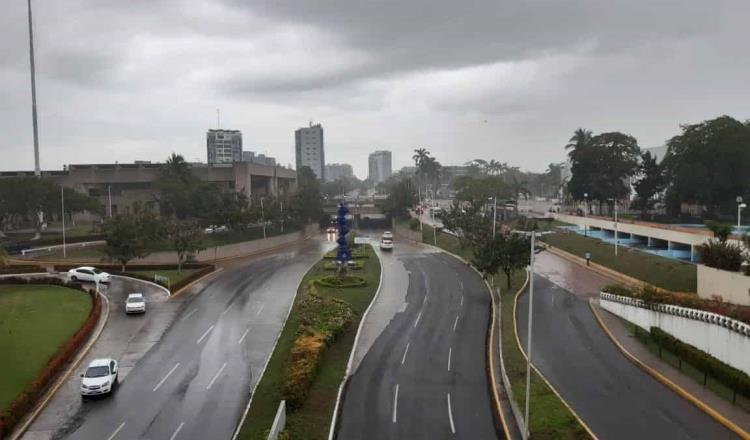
224, 146
260, 159
309, 149
380, 166
336, 171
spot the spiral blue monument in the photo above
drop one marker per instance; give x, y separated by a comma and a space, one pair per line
343, 254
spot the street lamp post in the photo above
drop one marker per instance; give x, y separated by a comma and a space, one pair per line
62, 203
614, 202
494, 217
263, 218
37, 169
586, 213
740, 206
528, 342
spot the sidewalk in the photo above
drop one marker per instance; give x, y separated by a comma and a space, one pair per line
617, 327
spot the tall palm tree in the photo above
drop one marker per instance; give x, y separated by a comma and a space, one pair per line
177, 167
581, 138
420, 155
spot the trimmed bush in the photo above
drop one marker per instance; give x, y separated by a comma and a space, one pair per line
721, 255
330, 265
341, 282
731, 377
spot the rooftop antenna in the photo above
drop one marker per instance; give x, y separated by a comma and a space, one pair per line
218, 119
37, 170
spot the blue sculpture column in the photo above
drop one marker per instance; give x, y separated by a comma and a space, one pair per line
343, 254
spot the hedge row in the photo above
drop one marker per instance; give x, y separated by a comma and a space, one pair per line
21, 268
25, 401
332, 265
322, 321
203, 269
340, 282
192, 277
117, 267
731, 377
650, 295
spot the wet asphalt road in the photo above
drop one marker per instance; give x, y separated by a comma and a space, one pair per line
617, 399
194, 383
424, 376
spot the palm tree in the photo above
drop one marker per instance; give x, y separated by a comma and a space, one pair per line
581, 138
420, 155
176, 166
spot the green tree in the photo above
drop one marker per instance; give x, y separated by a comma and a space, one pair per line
650, 183
307, 201
721, 231
132, 236
177, 188
186, 238
514, 254
401, 198
707, 164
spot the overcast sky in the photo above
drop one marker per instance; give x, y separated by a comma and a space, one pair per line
495, 79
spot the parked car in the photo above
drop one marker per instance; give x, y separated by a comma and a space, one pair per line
135, 303
99, 378
214, 229
388, 234
386, 244
88, 273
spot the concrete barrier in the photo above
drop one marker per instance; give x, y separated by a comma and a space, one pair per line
724, 338
732, 287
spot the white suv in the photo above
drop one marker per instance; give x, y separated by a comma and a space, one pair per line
88, 273
100, 377
135, 303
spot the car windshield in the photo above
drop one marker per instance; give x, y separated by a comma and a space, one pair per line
135, 299
100, 371
97, 271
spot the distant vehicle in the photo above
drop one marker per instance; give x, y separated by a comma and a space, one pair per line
331, 230
99, 378
13, 248
388, 234
436, 209
214, 229
88, 273
386, 244
135, 303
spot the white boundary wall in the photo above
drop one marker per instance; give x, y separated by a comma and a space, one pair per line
723, 338
732, 287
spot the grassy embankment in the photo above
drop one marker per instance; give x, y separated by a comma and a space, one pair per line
312, 419
550, 419
35, 321
173, 275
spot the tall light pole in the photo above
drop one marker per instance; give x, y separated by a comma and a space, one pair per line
494, 216
109, 196
586, 213
528, 342
614, 202
37, 169
62, 203
740, 206
263, 218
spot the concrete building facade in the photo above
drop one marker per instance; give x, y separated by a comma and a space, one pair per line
223, 146
259, 159
336, 171
309, 149
380, 166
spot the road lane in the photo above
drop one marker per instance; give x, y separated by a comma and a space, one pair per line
614, 397
412, 359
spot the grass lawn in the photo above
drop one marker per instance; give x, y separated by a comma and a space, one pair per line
662, 272
171, 274
550, 419
35, 320
312, 420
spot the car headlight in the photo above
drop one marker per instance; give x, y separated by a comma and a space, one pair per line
105, 384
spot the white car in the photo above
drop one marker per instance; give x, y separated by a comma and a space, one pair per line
214, 229
88, 273
99, 378
388, 234
386, 244
135, 303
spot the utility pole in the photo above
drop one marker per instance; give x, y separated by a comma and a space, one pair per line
282, 215
37, 169
616, 240
109, 196
263, 218
494, 217
528, 342
62, 202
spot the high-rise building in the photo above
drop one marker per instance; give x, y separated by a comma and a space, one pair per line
224, 146
336, 171
380, 166
310, 150
260, 159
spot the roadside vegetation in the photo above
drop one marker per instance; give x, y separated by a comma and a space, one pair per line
665, 273
174, 276
35, 322
310, 358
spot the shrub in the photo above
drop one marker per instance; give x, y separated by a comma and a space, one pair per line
341, 282
618, 289
21, 268
357, 265
721, 255
414, 224
727, 375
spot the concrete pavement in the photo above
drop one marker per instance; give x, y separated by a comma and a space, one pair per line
421, 369
614, 397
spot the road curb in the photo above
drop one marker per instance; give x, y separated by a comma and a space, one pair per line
347, 374
159, 286
668, 383
495, 392
549, 384
268, 359
19, 431
598, 268
185, 288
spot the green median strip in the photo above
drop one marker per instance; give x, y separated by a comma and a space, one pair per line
320, 315
173, 275
550, 418
666, 273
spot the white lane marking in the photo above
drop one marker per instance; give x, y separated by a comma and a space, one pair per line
450, 351
210, 384
450, 414
455, 323
462, 300
260, 309
161, 382
204, 335
462, 284
189, 314
416, 323
424, 300
117, 431
395, 404
243, 336
403, 358
227, 309
177, 431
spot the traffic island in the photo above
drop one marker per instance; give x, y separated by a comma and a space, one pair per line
311, 355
